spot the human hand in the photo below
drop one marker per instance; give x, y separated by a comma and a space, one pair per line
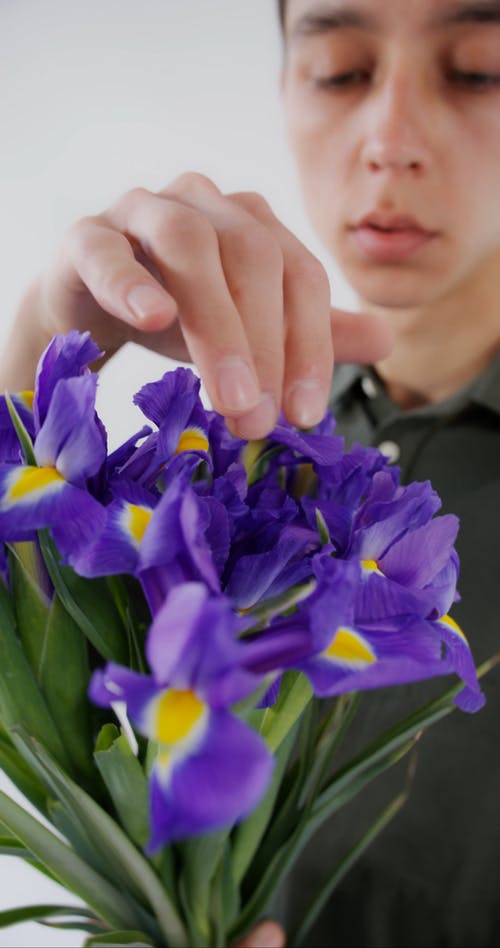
266, 934
210, 278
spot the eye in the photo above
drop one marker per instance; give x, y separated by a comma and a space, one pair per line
476, 81
342, 80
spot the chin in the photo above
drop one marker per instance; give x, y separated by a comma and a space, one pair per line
392, 288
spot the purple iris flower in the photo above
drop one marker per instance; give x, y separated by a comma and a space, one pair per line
173, 403
68, 448
161, 545
325, 640
211, 769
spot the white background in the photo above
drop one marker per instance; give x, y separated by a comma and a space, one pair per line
103, 95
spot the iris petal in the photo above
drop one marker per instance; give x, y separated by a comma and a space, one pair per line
212, 788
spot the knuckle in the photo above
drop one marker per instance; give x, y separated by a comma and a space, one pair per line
191, 183
133, 197
80, 238
253, 202
255, 244
184, 227
310, 271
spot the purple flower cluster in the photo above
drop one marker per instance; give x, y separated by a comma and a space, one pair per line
254, 559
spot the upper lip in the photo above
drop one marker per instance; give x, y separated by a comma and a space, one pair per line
386, 220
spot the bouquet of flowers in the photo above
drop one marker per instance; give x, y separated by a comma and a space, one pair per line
173, 616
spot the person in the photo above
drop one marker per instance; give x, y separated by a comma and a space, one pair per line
393, 114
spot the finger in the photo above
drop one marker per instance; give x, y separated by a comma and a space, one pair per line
183, 245
359, 337
252, 262
102, 259
308, 348
266, 934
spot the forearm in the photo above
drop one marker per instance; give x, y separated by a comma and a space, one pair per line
24, 344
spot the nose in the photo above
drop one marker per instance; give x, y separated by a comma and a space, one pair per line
395, 137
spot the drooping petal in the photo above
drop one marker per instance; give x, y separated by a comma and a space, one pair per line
35, 497
390, 653
216, 786
470, 698
117, 548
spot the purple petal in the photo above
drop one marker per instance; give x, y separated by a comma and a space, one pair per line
69, 438
192, 644
28, 504
116, 548
215, 787
419, 556
66, 356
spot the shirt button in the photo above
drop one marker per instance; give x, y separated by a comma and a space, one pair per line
368, 387
391, 450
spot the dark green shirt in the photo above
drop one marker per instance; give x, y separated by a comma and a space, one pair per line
433, 876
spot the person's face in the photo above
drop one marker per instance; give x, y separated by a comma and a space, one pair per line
393, 111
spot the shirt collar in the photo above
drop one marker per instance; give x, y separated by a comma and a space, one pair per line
485, 390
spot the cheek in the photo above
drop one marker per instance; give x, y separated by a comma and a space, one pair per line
322, 157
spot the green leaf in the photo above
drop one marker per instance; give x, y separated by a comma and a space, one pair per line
21, 775
225, 900
127, 786
248, 835
74, 832
126, 939
294, 695
22, 434
199, 858
126, 864
90, 604
52, 641
10, 846
33, 913
298, 933
20, 699
106, 901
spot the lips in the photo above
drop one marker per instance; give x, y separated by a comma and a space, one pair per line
386, 237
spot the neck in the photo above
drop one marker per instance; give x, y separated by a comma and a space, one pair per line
441, 347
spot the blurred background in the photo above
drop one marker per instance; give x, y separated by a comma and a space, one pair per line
102, 96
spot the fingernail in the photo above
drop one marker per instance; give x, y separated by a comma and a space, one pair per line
144, 300
237, 387
258, 422
306, 403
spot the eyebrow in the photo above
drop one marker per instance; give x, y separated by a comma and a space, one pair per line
330, 17
477, 11
327, 18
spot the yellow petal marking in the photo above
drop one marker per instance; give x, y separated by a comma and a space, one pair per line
349, 647
192, 439
371, 566
177, 712
27, 398
137, 520
447, 620
32, 480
